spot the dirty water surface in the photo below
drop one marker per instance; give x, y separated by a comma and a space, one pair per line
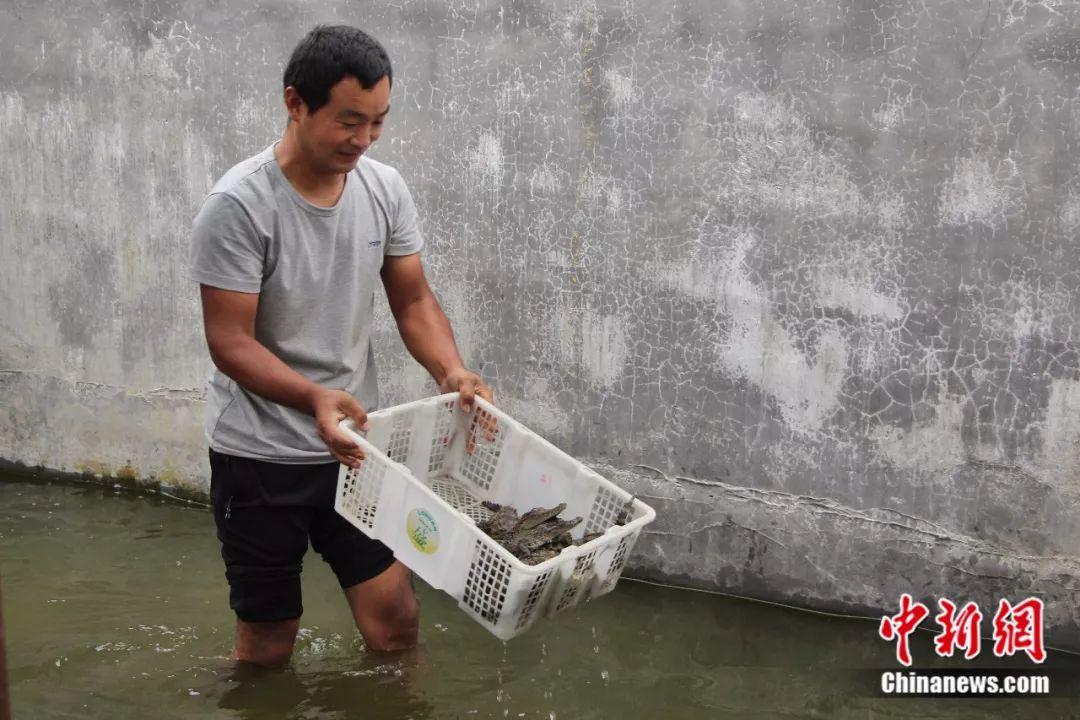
116, 606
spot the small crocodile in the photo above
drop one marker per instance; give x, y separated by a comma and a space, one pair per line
534, 537
537, 516
550, 533
626, 513
500, 526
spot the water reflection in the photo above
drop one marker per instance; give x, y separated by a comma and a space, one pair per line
380, 691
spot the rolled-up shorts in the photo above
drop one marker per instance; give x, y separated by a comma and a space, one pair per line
266, 513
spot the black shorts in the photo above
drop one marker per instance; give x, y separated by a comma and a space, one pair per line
265, 514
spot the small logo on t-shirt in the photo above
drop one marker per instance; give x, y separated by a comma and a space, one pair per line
374, 243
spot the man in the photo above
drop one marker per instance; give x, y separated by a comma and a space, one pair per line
286, 249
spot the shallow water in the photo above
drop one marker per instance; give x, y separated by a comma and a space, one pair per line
116, 606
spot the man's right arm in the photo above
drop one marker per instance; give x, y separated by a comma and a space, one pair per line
229, 320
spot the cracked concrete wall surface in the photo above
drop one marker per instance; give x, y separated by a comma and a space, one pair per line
798, 273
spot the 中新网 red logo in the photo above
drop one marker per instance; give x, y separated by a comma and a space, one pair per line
1016, 628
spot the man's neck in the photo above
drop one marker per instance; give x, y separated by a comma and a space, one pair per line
317, 188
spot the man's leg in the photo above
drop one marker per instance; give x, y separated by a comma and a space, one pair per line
268, 644
386, 610
263, 546
378, 587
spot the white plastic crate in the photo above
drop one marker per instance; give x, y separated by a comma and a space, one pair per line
419, 491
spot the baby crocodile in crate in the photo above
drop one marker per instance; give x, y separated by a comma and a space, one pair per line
539, 534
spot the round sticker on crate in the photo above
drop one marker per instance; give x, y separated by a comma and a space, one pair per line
423, 531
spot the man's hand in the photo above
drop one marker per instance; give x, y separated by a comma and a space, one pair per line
330, 407
470, 385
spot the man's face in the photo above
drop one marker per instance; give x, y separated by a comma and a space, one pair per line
334, 137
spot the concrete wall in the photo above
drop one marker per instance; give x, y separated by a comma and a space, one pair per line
798, 272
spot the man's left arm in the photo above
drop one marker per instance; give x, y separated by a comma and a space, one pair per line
426, 330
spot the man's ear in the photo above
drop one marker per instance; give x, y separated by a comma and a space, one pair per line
294, 104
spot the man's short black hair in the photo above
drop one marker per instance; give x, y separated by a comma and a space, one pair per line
329, 53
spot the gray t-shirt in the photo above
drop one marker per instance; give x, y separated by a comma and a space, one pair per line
316, 271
